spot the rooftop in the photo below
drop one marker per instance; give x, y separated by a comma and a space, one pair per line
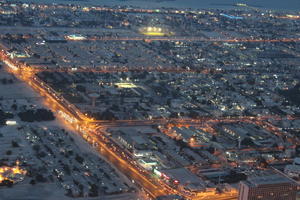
267, 179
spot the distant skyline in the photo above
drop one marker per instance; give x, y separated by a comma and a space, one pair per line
266, 4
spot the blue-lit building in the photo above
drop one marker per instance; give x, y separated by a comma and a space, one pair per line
231, 16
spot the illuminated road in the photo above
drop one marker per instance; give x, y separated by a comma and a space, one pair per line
127, 168
186, 121
195, 39
116, 69
162, 69
148, 38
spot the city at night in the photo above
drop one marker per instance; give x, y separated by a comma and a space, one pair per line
149, 100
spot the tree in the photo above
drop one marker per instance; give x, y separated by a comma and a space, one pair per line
69, 193
93, 190
36, 147
36, 115
7, 183
44, 115
181, 144
214, 138
174, 115
14, 144
4, 81
211, 150
32, 182
81, 88
41, 154
40, 178
247, 142
263, 162
115, 107
235, 177
108, 115
14, 106
67, 169
193, 114
79, 159
27, 116
4, 116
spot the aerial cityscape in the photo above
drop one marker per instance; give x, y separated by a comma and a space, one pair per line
149, 100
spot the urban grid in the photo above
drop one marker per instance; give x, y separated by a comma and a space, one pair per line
130, 103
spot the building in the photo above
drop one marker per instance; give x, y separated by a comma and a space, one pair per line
268, 186
183, 178
147, 163
170, 197
76, 37
294, 169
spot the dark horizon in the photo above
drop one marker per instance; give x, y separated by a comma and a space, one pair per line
292, 5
